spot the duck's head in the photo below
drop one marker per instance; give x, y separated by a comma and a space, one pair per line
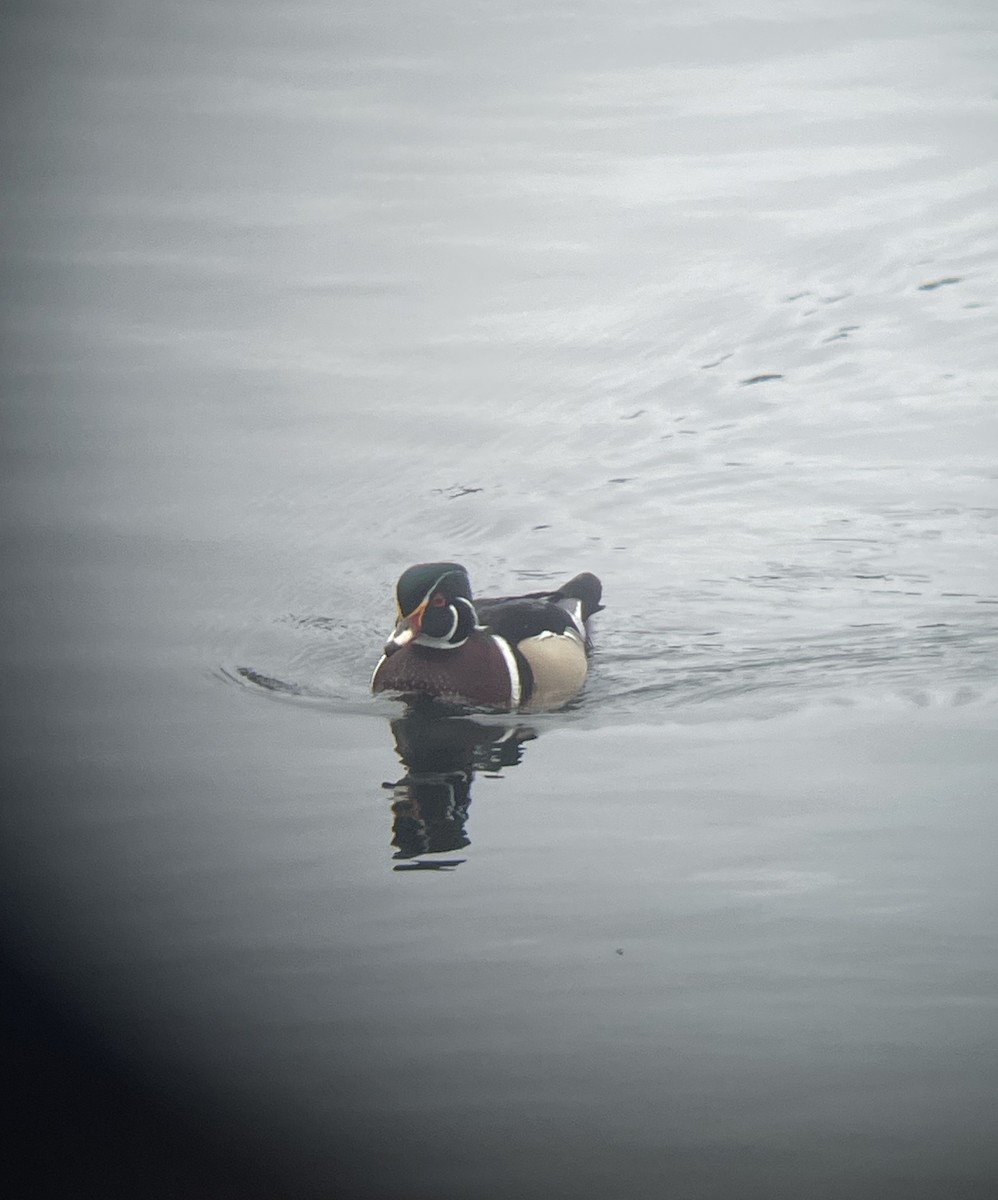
434, 607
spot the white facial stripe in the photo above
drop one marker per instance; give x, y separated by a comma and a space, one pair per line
453, 624
444, 642
445, 575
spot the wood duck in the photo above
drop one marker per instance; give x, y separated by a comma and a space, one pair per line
504, 653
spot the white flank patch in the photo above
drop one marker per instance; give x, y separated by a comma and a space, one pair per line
514, 671
374, 676
574, 610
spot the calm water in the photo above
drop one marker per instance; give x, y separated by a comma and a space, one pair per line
698, 297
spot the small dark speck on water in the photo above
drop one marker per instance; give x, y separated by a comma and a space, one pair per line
456, 491
619, 951
421, 865
842, 333
759, 379
634, 415
938, 283
267, 681
621, 479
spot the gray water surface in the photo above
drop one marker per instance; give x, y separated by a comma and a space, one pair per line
698, 297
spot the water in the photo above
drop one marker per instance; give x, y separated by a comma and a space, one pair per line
700, 298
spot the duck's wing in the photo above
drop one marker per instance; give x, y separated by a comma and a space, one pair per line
515, 618
568, 607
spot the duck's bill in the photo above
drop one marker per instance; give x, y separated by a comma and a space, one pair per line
407, 629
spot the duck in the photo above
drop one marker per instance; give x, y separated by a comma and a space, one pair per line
501, 653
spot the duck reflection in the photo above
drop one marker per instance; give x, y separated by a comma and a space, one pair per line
441, 755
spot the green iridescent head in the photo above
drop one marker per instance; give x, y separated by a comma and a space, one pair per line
419, 585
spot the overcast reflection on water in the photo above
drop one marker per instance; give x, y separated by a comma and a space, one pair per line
697, 297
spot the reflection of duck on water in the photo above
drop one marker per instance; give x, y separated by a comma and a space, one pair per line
441, 755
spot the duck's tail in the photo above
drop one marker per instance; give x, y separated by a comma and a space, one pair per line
585, 588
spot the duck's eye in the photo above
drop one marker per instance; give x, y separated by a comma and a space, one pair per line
438, 601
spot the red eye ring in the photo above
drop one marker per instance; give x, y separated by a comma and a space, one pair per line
438, 601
